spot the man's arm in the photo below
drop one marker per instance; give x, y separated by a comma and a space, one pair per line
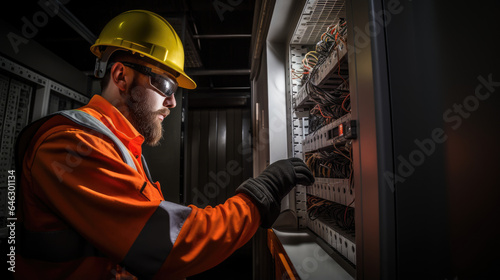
210, 235
101, 198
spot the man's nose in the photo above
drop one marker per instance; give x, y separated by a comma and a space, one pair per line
169, 101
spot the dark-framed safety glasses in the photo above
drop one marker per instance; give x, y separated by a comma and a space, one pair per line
166, 84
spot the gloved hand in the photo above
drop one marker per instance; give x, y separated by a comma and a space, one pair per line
268, 189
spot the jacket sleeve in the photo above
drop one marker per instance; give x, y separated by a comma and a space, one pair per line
210, 235
83, 180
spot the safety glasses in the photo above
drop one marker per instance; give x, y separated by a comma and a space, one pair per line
166, 85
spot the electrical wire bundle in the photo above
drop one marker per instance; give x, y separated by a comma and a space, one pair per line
330, 105
315, 122
334, 34
330, 39
310, 60
334, 164
327, 112
340, 215
297, 73
323, 96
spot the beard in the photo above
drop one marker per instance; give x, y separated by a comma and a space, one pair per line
145, 121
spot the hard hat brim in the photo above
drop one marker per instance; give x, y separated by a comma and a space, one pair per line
183, 80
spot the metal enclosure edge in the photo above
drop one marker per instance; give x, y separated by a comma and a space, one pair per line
372, 152
384, 140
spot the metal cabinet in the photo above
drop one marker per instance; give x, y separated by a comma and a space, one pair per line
423, 110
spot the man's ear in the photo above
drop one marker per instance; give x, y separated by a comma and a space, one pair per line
119, 76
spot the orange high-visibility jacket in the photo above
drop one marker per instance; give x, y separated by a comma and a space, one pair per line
88, 214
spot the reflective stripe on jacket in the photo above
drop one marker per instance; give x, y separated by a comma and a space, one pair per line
90, 211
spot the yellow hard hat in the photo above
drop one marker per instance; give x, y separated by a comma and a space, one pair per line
146, 33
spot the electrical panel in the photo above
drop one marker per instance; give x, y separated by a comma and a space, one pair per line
382, 203
323, 128
22, 92
15, 106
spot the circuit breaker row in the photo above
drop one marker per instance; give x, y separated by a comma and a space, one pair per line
333, 189
335, 132
342, 242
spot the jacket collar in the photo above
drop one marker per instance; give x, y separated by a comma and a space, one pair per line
108, 114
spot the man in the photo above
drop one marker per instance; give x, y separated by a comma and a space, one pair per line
89, 209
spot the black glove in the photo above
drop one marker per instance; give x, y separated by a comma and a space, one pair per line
269, 188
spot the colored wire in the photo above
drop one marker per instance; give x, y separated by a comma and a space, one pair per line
331, 212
